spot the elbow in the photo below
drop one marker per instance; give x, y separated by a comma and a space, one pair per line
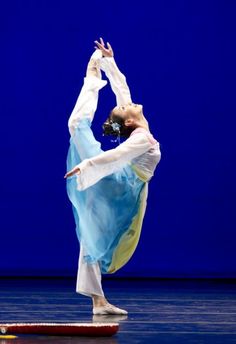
114, 158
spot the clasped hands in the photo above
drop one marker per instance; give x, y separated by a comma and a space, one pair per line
93, 67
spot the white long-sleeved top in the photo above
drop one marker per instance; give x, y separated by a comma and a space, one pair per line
140, 149
117, 80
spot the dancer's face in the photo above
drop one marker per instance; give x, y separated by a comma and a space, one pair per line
131, 114
131, 110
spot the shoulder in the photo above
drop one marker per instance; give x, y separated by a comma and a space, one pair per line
143, 135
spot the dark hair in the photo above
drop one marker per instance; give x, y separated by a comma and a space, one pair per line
115, 126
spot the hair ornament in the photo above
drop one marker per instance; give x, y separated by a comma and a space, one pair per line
116, 127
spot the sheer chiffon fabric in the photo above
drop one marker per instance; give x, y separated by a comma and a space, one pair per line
108, 214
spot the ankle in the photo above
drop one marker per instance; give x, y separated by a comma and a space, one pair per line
99, 301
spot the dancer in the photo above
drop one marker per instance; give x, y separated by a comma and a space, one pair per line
108, 190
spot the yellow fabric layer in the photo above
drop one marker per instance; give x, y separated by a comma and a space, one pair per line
140, 173
130, 238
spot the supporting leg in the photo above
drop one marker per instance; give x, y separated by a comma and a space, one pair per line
89, 283
89, 279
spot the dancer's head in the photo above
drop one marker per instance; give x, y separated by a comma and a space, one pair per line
124, 119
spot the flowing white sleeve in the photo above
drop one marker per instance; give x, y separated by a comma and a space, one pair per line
117, 80
106, 163
86, 103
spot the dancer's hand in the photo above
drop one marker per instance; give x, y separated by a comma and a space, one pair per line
72, 172
106, 52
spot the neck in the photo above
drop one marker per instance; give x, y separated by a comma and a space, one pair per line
142, 123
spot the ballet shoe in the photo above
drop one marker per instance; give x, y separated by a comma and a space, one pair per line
108, 309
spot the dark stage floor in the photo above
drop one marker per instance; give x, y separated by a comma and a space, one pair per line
160, 311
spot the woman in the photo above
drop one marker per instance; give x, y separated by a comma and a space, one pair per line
108, 190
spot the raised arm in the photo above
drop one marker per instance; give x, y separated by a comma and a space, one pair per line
116, 78
86, 103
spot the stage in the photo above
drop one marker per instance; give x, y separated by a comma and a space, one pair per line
160, 311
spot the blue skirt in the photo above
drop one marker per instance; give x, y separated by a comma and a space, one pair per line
109, 214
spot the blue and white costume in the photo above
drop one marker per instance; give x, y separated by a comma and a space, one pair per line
109, 195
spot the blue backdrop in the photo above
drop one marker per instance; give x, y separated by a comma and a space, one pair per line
179, 60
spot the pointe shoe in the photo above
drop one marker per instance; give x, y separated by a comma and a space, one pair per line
108, 309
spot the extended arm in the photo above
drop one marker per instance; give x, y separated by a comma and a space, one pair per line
86, 103
116, 78
90, 171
